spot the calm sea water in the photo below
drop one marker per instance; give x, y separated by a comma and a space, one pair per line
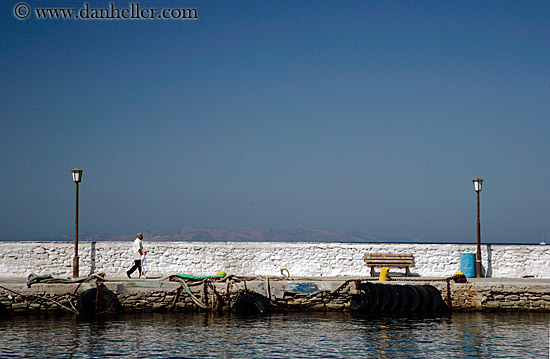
318, 335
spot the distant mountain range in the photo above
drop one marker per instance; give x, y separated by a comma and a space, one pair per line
242, 234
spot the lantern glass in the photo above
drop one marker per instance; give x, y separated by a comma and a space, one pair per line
477, 184
77, 175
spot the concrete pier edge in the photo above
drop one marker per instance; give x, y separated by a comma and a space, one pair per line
478, 294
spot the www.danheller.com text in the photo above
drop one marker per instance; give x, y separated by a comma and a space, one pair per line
134, 11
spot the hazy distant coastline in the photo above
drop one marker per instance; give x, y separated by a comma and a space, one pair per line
242, 234
251, 234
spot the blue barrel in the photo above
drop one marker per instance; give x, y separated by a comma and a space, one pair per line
468, 264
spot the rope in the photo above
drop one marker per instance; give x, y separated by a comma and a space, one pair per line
176, 297
188, 281
35, 278
217, 296
43, 298
283, 270
327, 296
191, 295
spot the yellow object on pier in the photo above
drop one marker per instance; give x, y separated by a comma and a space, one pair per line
384, 274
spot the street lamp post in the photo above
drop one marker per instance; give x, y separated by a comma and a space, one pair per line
477, 187
77, 177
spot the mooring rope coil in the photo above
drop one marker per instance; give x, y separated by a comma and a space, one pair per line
47, 278
191, 295
44, 299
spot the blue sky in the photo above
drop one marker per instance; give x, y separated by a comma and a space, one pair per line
369, 116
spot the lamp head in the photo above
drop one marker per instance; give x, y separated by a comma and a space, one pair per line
77, 175
477, 184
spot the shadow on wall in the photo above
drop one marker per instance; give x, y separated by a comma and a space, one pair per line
489, 269
92, 260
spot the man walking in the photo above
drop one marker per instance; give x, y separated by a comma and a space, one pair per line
137, 251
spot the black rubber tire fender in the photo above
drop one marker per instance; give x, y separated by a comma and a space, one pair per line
384, 299
108, 301
366, 300
358, 303
438, 305
371, 295
414, 298
425, 299
393, 298
406, 298
397, 307
4, 313
251, 304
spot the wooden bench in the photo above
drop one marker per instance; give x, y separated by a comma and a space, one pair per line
389, 260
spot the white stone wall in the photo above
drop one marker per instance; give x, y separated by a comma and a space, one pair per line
19, 259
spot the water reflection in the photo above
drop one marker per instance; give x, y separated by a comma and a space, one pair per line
464, 335
293, 335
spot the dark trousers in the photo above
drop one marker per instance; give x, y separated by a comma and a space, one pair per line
137, 265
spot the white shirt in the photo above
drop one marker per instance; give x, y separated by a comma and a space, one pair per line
137, 246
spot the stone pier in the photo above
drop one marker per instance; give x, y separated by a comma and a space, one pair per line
302, 276
306, 294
